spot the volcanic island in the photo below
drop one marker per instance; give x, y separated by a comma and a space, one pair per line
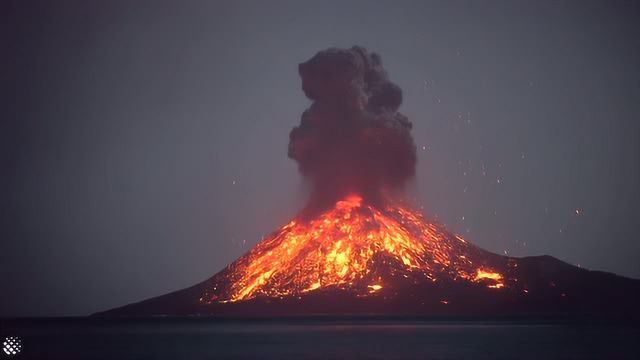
358, 249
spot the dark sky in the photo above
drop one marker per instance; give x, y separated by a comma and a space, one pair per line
143, 146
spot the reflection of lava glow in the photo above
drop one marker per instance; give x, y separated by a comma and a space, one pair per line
346, 248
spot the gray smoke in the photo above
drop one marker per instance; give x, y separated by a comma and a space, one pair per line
352, 139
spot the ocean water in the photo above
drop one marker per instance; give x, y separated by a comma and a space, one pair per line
320, 338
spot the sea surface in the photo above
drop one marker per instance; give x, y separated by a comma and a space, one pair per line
320, 338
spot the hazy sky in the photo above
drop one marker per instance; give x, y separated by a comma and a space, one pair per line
143, 145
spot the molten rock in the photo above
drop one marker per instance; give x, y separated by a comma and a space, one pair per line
353, 247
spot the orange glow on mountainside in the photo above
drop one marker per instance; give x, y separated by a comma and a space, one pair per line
345, 248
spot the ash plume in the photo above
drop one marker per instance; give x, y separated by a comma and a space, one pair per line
352, 139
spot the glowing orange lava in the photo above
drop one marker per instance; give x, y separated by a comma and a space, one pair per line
345, 248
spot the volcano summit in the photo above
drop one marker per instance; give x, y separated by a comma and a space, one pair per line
357, 248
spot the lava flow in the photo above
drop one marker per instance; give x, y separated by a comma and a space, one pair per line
354, 247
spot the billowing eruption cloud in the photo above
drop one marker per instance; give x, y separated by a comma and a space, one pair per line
352, 139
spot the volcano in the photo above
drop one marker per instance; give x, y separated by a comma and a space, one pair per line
358, 248
359, 259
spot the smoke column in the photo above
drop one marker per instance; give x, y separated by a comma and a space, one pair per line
352, 139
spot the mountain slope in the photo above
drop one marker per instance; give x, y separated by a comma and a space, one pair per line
356, 258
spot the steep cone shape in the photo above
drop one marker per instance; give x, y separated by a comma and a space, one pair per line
355, 247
